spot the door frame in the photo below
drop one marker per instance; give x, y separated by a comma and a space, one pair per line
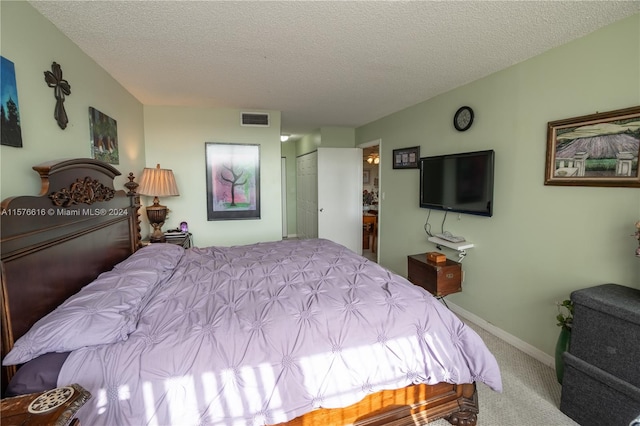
369, 144
283, 189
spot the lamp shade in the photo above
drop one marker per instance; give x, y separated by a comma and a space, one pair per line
158, 182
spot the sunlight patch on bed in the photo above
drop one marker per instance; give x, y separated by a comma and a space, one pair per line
102, 398
182, 400
101, 401
369, 364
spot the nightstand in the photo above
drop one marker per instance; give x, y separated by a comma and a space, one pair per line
438, 279
183, 239
56, 407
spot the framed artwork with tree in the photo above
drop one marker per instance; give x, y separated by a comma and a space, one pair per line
233, 181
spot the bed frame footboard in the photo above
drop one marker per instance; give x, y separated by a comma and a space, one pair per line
413, 405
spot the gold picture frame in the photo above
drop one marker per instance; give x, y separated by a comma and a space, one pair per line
599, 149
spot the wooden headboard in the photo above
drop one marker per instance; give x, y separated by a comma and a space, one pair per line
55, 243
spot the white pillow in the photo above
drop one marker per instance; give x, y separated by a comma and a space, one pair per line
105, 311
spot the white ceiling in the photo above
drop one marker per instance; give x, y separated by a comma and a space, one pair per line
322, 63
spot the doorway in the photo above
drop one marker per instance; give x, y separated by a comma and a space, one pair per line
371, 196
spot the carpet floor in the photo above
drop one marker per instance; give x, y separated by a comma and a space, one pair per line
531, 393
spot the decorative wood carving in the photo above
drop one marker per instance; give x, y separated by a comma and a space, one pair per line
135, 204
131, 185
468, 408
82, 191
463, 418
61, 88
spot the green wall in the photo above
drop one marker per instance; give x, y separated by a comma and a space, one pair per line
176, 136
543, 241
33, 43
289, 153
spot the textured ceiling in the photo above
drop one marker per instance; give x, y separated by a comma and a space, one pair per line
322, 63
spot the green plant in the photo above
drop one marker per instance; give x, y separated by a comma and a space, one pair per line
565, 314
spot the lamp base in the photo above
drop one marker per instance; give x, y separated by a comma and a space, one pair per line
157, 236
157, 214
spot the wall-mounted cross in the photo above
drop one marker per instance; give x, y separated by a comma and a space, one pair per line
61, 89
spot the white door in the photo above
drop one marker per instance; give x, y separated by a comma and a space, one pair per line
340, 196
307, 195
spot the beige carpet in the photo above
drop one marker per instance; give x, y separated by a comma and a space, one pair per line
531, 395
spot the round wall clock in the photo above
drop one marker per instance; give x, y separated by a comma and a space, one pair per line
463, 118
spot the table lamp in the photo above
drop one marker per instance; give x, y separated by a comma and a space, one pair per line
157, 183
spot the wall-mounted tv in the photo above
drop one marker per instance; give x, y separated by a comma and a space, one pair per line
461, 183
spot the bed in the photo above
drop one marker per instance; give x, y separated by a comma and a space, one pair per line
300, 332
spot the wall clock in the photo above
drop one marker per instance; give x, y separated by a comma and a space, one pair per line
463, 118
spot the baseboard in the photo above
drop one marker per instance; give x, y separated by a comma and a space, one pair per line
501, 334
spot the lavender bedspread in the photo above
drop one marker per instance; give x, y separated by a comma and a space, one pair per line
261, 334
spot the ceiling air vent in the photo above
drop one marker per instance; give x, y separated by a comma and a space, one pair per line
256, 119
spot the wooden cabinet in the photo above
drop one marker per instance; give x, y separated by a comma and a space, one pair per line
438, 279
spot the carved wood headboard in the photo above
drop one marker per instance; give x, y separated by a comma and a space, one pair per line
53, 244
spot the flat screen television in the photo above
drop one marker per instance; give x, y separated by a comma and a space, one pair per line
461, 183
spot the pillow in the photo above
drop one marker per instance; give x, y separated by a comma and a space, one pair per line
105, 311
154, 256
38, 375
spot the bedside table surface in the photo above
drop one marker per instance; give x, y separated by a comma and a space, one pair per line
439, 279
56, 407
184, 240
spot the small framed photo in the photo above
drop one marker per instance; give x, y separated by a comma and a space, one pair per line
600, 149
406, 158
365, 176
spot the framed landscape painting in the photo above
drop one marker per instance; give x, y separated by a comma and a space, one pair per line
600, 149
233, 181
